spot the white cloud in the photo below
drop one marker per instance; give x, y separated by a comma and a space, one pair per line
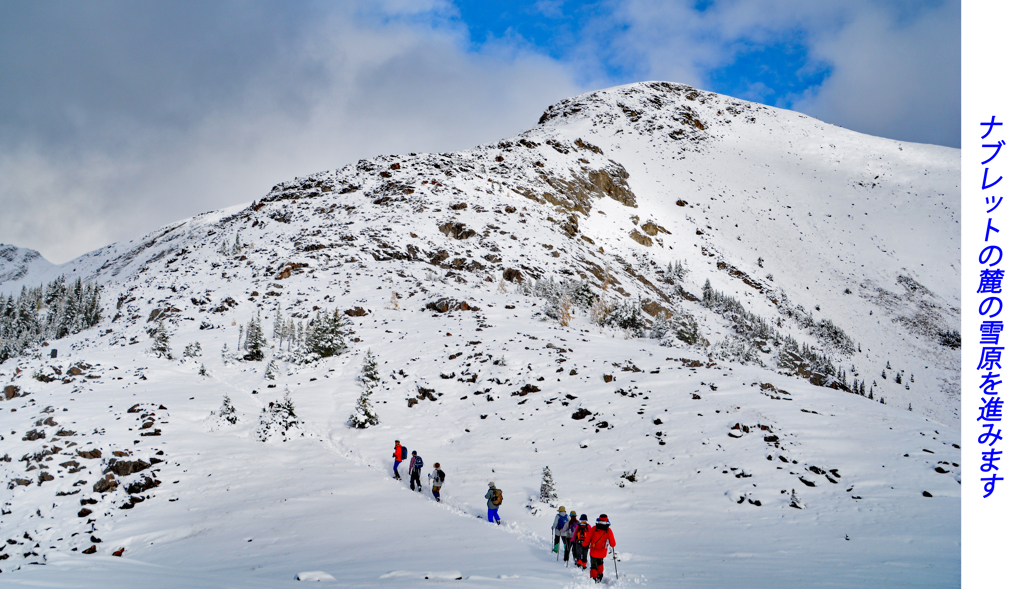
341, 88
894, 67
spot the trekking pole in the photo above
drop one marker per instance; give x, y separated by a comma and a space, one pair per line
615, 561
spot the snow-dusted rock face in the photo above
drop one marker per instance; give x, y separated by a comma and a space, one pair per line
765, 265
17, 263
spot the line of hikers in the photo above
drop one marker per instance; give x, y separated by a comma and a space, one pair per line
576, 535
435, 478
579, 539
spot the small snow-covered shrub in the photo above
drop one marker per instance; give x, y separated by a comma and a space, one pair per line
278, 420
161, 342
227, 412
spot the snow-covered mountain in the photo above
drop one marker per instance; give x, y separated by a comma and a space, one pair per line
17, 263
761, 261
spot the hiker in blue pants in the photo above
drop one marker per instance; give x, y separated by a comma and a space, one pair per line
494, 499
398, 458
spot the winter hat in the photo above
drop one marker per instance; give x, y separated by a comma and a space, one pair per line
437, 465
414, 452
583, 517
602, 519
397, 442
572, 513
491, 484
561, 509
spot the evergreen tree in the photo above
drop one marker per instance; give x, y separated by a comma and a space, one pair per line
370, 376
364, 417
324, 338
271, 372
547, 487
254, 341
227, 411
280, 328
161, 342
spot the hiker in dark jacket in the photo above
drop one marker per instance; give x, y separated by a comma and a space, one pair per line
566, 533
398, 458
415, 464
598, 541
436, 479
494, 499
578, 536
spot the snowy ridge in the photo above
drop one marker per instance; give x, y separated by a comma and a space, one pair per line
727, 435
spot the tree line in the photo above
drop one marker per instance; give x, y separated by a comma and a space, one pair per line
49, 312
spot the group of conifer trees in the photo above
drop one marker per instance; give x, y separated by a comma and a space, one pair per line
48, 312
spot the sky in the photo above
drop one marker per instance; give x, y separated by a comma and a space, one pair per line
119, 117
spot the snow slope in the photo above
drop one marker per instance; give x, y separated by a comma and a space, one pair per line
611, 187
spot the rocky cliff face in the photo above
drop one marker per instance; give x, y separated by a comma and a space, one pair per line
830, 252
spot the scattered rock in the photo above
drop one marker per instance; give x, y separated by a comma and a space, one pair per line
124, 468
140, 486
105, 484
641, 238
456, 230
580, 413
11, 391
90, 550
527, 389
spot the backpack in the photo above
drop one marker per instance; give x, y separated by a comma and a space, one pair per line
405, 452
417, 463
560, 522
581, 531
496, 497
440, 475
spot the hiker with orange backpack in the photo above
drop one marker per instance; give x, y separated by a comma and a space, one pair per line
578, 536
494, 499
598, 541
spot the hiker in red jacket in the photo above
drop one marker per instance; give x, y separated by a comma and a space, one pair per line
398, 458
598, 540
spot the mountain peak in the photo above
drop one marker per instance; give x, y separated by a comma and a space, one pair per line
17, 262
